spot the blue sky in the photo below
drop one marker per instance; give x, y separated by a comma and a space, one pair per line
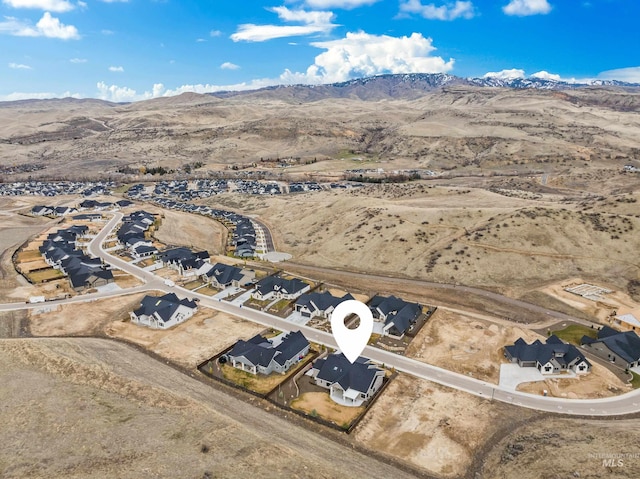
130, 50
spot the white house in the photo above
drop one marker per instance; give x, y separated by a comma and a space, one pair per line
163, 312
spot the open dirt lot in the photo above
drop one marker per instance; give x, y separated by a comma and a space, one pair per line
91, 408
191, 230
433, 427
466, 344
616, 301
189, 343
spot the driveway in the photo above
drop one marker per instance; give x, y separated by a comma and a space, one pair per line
511, 375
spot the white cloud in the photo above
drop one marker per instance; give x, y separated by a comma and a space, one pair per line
116, 69
49, 5
19, 66
362, 54
47, 26
78, 60
15, 96
215, 33
631, 74
523, 8
448, 11
107, 32
345, 4
229, 66
506, 74
200, 40
358, 54
544, 75
312, 22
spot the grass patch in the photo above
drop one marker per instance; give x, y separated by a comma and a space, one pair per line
193, 284
573, 334
208, 290
45, 275
635, 382
256, 382
280, 305
26, 256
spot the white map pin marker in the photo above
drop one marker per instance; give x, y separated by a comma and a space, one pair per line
352, 341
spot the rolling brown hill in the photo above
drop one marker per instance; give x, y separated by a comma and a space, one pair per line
455, 126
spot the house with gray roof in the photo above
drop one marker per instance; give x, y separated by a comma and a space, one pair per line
222, 276
620, 348
349, 384
398, 315
276, 287
552, 357
264, 356
311, 305
163, 312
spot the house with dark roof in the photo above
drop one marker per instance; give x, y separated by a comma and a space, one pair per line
552, 357
163, 312
620, 348
222, 276
311, 305
41, 210
264, 356
59, 251
399, 316
349, 384
276, 287
183, 260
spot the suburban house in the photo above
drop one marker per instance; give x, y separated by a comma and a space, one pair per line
183, 260
143, 249
398, 315
41, 210
63, 211
163, 312
222, 276
621, 348
551, 357
348, 384
310, 305
264, 356
276, 287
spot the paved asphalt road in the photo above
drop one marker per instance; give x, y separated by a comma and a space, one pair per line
618, 405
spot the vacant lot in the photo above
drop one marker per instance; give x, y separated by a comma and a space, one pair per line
89, 318
433, 427
466, 344
191, 342
194, 231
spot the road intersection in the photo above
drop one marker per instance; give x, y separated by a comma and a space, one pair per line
628, 403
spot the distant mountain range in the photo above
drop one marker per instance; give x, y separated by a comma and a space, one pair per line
413, 85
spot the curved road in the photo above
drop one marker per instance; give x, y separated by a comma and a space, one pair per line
628, 403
